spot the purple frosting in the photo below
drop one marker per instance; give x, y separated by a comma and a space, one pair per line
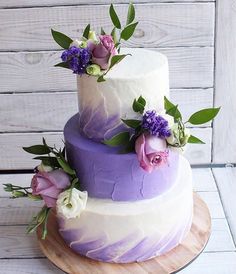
104, 173
141, 250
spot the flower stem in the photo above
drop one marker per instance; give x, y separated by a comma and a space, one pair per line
45, 222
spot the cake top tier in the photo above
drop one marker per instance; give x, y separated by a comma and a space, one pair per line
102, 105
140, 62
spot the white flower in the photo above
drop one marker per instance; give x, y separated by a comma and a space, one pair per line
173, 138
92, 36
178, 143
44, 168
71, 203
79, 44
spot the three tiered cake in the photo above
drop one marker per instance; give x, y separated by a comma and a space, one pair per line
121, 187
131, 215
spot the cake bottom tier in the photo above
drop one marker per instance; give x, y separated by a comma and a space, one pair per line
123, 232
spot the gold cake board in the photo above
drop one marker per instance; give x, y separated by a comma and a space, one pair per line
64, 258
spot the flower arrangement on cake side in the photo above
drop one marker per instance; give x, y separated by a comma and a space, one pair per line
154, 134
54, 182
95, 54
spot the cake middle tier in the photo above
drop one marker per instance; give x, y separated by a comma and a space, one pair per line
104, 173
102, 105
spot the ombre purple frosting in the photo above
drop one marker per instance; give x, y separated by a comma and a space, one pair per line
140, 249
104, 173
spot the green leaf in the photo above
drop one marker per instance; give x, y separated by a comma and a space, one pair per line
114, 18
37, 220
117, 45
8, 187
37, 149
61, 39
194, 140
48, 161
167, 103
128, 31
45, 223
34, 197
63, 152
62, 65
101, 79
116, 59
142, 101
86, 31
203, 116
114, 36
118, 140
103, 31
172, 109
130, 147
66, 166
18, 194
138, 107
131, 14
132, 123
44, 142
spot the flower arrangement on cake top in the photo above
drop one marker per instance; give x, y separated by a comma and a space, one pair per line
95, 54
154, 134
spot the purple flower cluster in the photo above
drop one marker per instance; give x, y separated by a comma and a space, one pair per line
155, 124
77, 58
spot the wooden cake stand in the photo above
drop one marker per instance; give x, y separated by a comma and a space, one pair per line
64, 258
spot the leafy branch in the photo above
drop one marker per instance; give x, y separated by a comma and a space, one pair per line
17, 191
200, 117
51, 156
40, 219
129, 28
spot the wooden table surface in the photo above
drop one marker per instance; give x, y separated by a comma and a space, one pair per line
19, 253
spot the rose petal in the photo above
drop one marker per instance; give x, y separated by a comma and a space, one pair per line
140, 150
59, 178
90, 45
52, 192
102, 62
154, 144
100, 51
40, 182
50, 202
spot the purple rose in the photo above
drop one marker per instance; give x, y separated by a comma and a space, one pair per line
151, 151
101, 52
49, 185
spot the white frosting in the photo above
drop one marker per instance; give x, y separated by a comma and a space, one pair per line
144, 73
156, 218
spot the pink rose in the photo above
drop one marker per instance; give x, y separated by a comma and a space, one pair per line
151, 151
49, 185
101, 52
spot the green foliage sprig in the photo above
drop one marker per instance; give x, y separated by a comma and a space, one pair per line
128, 29
200, 117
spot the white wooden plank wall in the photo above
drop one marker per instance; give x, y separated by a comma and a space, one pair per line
36, 99
225, 83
